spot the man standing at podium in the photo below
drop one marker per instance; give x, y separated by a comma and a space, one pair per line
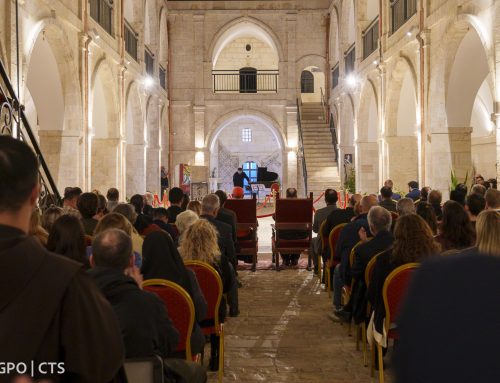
239, 178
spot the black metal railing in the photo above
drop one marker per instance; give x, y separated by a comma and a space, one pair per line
301, 146
401, 12
149, 60
335, 140
102, 12
13, 122
131, 41
235, 81
350, 59
162, 74
335, 76
370, 38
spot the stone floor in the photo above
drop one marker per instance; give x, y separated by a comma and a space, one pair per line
283, 334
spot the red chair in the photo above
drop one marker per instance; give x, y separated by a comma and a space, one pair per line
180, 309
291, 214
211, 286
246, 216
323, 247
332, 241
275, 189
393, 293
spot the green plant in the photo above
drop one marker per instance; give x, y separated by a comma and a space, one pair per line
350, 183
454, 180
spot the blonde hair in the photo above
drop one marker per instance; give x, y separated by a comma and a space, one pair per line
114, 221
194, 206
488, 232
200, 243
36, 230
185, 220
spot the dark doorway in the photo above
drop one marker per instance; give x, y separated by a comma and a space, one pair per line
306, 82
248, 80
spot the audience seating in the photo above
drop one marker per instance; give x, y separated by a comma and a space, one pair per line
246, 216
323, 247
180, 309
292, 214
144, 370
395, 287
332, 241
211, 287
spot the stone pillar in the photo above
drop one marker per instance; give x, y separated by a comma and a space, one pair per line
153, 168
104, 164
367, 176
290, 177
402, 159
136, 165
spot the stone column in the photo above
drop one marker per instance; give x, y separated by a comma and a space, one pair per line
290, 177
402, 159
104, 164
153, 168
367, 167
136, 165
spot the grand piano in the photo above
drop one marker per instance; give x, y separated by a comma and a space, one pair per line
265, 177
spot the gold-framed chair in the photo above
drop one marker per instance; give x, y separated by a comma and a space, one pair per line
332, 241
323, 246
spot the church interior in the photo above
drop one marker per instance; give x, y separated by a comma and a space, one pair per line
258, 191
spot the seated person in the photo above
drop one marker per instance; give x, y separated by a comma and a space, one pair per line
435, 198
414, 192
455, 232
160, 219
176, 198
390, 185
146, 328
87, 206
405, 206
387, 202
143, 223
474, 205
226, 215
380, 222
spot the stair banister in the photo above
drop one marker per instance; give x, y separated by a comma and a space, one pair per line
301, 145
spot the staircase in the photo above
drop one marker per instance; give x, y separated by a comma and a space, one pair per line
319, 152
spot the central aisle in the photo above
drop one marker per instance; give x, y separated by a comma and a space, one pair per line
284, 335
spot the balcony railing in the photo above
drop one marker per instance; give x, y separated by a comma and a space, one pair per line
370, 39
162, 74
102, 12
131, 40
235, 81
149, 60
350, 59
402, 11
335, 76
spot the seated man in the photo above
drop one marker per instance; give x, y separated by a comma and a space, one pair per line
414, 192
348, 238
405, 206
474, 205
387, 202
226, 215
379, 221
175, 197
390, 184
160, 219
146, 328
435, 198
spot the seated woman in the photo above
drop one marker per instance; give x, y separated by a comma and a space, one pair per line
162, 260
413, 241
199, 242
487, 234
67, 238
184, 221
427, 212
455, 231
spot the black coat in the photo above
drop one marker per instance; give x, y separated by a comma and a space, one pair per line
224, 238
440, 338
173, 212
146, 328
239, 179
335, 218
228, 217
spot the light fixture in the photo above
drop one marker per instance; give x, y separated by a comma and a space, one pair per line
351, 80
375, 62
148, 82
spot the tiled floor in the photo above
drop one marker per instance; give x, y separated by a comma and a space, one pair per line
283, 334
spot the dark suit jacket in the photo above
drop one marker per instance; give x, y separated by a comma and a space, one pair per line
414, 194
229, 217
336, 217
173, 212
390, 205
225, 238
433, 318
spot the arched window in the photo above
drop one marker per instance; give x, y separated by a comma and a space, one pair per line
248, 80
306, 82
250, 168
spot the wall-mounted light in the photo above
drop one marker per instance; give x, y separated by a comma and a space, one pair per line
351, 80
148, 82
199, 158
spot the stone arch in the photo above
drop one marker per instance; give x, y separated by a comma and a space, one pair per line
334, 37
317, 65
243, 26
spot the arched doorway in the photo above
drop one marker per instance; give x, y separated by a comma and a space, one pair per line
312, 84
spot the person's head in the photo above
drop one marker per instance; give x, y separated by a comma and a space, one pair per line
389, 183
379, 219
412, 185
71, 195
210, 205
427, 212
435, 197
240, 170
19, 185
87, 205
194, 206
222, 196
199, 242
50, 215
355, 200
185, 220
386, 192
113, 249
405, 206
479, 179
185, 201
488, 232
176, 196
148, 198
113, 194
456, 229
492, 197
102, 209
127, 210
413, 240
331, 196
458, 195
474, 205
478, 189
238, 192
424, 193
367, 202
137, 201
160, 214
114, 221
67, 237
291, 193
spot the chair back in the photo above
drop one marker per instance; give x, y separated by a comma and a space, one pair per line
180, 309
394, 291
211, 286
275, 187
294, 210
245, 209
333, 238
369, 269
321, 236
351, 254
144, 370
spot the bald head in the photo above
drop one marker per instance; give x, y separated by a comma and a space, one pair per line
379, 219
112, 248
367, 202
